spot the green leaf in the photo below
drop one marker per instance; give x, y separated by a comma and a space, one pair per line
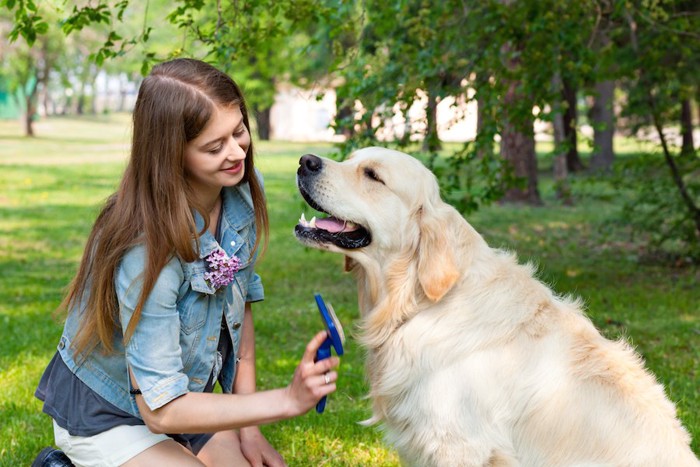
41, 27
29, 35
145, 67
100, 57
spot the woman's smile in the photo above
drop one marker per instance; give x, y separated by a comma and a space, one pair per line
234, 169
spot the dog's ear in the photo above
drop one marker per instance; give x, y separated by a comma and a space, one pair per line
437, 264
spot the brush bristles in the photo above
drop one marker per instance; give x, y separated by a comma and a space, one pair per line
336, 322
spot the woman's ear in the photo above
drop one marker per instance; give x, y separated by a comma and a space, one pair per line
437, 264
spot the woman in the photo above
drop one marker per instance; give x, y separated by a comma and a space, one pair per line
160, 307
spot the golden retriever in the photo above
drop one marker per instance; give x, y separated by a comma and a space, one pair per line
471, 360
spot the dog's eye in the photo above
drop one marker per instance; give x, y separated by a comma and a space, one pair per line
372, 175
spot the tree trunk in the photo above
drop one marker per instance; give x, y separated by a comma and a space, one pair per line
30, 96
570, 123
484, 121
46, 64
697, 100
431, 142
688, 146
29, 118
602, 118
560, 163
79, 102
518, 149
562, 142
80, 108
93, 99
262, 118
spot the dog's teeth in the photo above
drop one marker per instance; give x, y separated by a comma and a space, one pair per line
303, 221
312, 222
350, 225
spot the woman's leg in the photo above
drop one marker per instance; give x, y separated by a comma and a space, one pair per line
223, 450
168, 452
123, 445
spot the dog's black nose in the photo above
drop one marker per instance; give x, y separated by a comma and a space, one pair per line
310, 163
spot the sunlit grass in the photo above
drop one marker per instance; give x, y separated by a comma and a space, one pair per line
50, 191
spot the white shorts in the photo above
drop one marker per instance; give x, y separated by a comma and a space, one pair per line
110, 448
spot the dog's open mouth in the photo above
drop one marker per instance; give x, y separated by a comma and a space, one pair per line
339, 232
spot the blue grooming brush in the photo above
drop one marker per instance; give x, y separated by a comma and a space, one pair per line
335, 338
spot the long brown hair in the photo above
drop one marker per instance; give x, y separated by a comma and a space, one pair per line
154, 203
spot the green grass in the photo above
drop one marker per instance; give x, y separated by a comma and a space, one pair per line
50, 190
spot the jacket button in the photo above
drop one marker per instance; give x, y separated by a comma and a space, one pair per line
236, 326
61, 345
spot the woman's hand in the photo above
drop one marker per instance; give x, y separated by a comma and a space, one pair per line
196, 412
258, 450
312, 380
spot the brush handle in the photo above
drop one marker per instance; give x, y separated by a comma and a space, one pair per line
334, 339
323, 353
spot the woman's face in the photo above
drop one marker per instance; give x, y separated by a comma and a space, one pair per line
216, 157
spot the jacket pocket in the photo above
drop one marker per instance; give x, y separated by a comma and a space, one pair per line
193, 308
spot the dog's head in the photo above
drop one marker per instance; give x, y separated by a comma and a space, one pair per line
385, 212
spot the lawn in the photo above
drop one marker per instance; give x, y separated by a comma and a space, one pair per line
50, 191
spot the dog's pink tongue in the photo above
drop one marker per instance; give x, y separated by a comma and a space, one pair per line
331, 224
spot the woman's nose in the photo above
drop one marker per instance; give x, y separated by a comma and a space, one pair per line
235, 150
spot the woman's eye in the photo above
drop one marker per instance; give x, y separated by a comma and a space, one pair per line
372, 175
240, 132
216, 150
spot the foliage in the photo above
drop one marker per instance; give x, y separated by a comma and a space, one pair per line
265, 43
384, 56
658, 54
30, 23
663, 44
473, 50
57, 72
28, 20
24, 69
656, 213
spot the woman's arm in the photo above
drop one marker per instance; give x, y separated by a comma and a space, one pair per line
205, 412
245, 373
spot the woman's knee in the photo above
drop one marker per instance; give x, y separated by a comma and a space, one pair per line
223, 449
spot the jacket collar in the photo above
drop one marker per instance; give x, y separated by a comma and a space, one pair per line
237, 213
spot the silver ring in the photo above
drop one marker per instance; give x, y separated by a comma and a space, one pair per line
326, 378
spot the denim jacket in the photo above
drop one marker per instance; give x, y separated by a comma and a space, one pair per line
174, 347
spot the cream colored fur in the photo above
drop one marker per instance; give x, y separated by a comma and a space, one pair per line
471, 360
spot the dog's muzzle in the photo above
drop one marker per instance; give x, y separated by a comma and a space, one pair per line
343, 233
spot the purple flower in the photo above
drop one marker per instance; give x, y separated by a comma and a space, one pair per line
221, 268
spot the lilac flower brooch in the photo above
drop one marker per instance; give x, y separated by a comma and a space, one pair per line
221, 268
